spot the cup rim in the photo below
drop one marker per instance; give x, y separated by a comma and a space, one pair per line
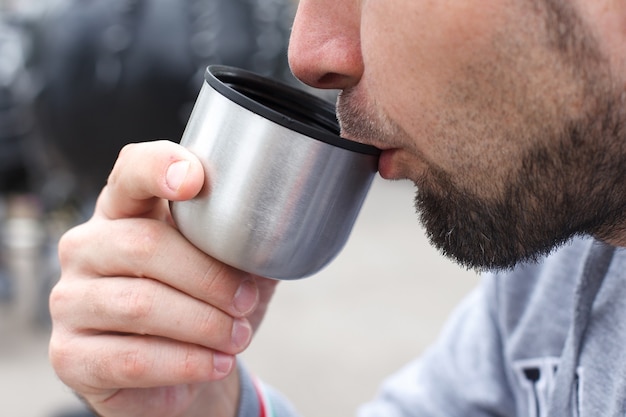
238, 85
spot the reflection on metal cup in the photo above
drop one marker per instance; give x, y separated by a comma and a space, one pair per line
282, 189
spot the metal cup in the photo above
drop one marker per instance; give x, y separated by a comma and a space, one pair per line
282, 189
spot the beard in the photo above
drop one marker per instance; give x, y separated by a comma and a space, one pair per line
570, 182
574, 186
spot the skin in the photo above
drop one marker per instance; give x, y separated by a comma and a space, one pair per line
487, 109
491, 111
111, 342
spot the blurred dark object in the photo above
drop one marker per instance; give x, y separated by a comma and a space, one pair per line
81, 78
119, 71
16, 122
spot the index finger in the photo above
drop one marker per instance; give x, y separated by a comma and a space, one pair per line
144, 174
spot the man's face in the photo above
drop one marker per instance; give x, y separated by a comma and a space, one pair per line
504, 114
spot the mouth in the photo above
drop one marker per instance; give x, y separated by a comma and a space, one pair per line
386, 166
385, 163
360, 123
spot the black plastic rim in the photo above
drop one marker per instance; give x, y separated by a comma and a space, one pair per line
289, 107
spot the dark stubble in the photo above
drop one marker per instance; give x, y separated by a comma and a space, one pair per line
573, 184
575, 187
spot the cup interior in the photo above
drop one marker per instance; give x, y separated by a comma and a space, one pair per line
288, 106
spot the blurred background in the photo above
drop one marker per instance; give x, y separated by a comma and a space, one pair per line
81, 78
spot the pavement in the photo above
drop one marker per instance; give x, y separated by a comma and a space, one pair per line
327, 341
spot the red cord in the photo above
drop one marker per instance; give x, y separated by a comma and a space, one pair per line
260, 398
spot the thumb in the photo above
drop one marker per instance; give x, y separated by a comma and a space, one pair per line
145, 174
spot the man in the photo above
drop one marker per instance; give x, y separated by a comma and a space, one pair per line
508, 117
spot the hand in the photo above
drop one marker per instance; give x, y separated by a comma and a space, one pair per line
144, 323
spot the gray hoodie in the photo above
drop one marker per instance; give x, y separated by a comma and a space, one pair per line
546, 339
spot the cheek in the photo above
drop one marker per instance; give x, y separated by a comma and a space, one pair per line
431, 67
413, 51
426, 39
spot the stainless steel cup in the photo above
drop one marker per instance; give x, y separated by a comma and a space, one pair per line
282, 189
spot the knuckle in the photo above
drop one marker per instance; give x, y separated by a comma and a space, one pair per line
143, 243
124, 366
137, 301
210, 323
217, 279
134, 364
193, 365
123, 156
210, 279
57, 299
63, 359
58, 353
69, 245
125, 151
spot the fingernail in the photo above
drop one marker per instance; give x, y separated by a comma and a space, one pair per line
246, 296
222, 363
176, 174
242, 332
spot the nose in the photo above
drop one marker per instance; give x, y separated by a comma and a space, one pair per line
325, 47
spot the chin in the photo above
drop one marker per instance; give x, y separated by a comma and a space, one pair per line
484, 235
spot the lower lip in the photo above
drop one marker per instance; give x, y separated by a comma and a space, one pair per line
385, 164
